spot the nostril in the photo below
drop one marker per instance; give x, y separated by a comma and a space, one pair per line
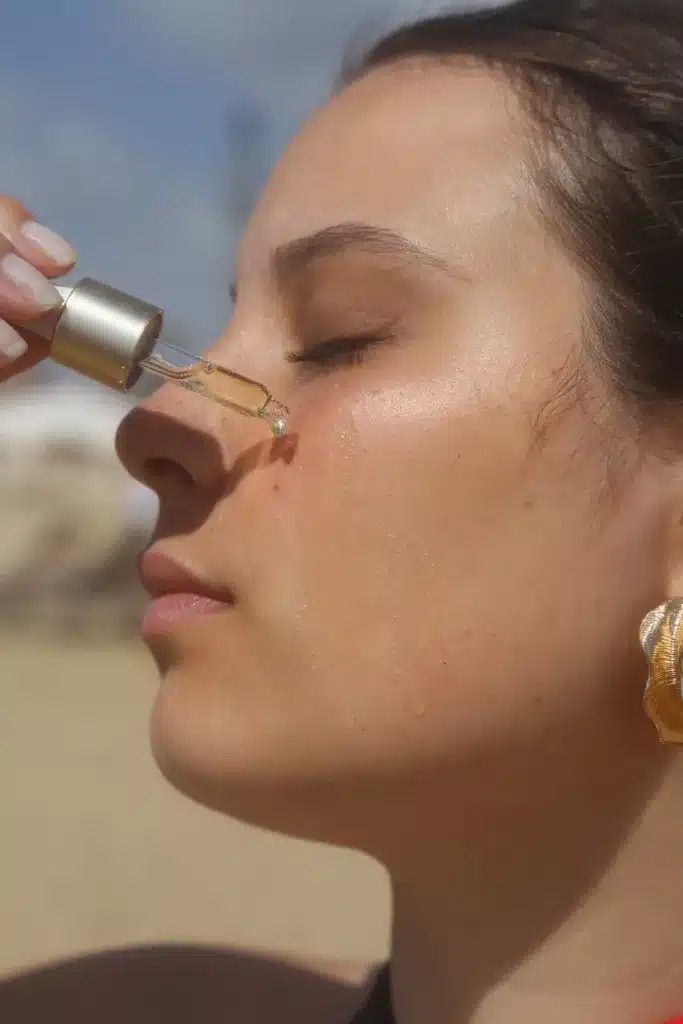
158, 470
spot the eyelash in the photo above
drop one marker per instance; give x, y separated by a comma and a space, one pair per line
343, 351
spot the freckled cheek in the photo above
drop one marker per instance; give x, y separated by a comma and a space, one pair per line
323, 427
327, 488
339, 404
350, 437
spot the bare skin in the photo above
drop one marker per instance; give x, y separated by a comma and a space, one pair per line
433, 585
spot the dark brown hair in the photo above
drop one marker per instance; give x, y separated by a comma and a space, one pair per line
602, 81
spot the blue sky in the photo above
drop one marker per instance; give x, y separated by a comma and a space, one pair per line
115, 118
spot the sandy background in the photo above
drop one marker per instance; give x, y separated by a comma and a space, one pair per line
98, 851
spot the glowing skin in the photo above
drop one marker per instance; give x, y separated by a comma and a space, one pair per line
435, 581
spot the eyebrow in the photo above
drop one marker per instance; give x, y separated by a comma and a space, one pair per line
296, 256
293, 258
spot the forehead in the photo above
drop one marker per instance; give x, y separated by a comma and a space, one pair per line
435, 152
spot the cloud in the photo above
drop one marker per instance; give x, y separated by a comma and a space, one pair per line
155, 227
287, 53
138, 222
274, 35
261, 30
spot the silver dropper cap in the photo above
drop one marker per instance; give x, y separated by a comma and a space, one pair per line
100, 332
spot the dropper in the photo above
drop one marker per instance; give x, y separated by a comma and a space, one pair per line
111, 337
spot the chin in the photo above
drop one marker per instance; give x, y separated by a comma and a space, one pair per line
239, 763
297, 810
240, 728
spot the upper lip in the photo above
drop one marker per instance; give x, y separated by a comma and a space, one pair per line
161, 574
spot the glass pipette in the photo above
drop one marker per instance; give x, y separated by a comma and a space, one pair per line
112, 337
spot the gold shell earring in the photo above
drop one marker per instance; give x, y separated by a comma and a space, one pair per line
661, 637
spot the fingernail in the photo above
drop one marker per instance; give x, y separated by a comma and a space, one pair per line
53, 245
12, 345
29, 281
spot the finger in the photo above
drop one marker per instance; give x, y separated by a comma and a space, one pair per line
38, 244
25, 293
30, 254
16, 353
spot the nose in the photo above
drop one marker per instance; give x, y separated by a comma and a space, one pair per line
172, 445
181, 444
178, 443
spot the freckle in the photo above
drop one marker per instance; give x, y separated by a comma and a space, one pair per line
528, 504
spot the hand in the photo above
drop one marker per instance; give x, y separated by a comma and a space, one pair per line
30, 255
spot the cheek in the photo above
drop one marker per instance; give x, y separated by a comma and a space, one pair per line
347, 519
357, 455
411, 462
393, 521
372, 515
340, 429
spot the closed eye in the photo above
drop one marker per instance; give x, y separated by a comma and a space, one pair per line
342, 351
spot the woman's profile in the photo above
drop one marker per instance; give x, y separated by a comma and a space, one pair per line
413, 626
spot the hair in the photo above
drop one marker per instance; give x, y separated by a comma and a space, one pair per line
602, 84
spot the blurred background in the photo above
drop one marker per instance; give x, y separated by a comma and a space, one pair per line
142, 130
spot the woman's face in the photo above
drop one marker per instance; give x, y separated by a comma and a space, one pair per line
447, 558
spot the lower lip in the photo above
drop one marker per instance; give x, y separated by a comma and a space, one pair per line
169, 611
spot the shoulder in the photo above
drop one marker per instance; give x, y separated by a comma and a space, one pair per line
182, 984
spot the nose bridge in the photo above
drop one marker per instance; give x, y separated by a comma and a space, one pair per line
246, 347
199, 412
176, 426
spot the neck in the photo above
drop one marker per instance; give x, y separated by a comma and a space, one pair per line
563, 905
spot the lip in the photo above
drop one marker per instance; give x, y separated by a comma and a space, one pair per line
178, 594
